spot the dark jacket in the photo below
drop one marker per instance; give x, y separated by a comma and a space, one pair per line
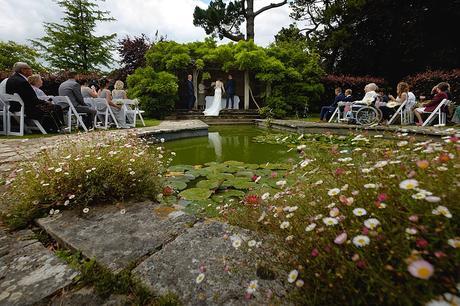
338, 98
18, 84
348, 99
190, 89
230, 87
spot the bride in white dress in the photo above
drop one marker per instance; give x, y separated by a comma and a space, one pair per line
216, 104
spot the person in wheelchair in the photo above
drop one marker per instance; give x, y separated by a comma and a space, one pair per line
369, 98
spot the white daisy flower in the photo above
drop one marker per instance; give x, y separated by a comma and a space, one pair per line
359, 212
284, 225
361, 240
408, 184
199, 278
333, 192
454, 242
85, 210
330, 221
371, 223
292, 277
370, 186
310, 227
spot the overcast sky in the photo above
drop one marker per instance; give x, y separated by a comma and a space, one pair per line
21, 20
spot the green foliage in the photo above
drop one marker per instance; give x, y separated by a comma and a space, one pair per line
220, 19
72, 44
79, 172
389, 39
156, 91
104, 281
334, 176
11, 52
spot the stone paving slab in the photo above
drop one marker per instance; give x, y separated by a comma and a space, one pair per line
28, 271
86, 296
114, 239
208, 248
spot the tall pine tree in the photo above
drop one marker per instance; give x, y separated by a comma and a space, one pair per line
72, 45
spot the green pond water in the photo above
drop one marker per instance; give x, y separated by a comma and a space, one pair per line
226, 143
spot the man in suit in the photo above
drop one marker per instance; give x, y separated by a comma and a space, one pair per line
230, 90
326, 111
72, 89
49, 115
190, 93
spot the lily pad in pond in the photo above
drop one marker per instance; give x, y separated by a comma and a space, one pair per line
209, 184
176, 184
249, 174
219, 176
195, 194
222, 196
234, 163
239, 183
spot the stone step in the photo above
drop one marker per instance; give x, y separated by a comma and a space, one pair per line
169, 249
28, 271
208, 248
115, 239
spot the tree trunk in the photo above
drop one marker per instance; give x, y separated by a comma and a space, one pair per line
246, 89
250, 16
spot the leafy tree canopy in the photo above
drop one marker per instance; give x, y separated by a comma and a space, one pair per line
72, 45
11, 52
386, 38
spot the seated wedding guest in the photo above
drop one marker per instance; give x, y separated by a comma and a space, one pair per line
118, 92
86, 90
370, 96
117, 110
431, 105
447, 92
348, 95
326, 111
382, 97
36, 82
72, 89
390, 108
49, 115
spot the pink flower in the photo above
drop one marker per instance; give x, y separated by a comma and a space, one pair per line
274, 174
421, 243
421, 269
339, 171
413, 218
340, 239
382, 197
314, 252
440, 254
361, 264
365, 231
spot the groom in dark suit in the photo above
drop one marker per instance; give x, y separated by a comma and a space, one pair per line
230, 90
190, 93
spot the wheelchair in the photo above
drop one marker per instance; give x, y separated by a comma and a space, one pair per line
363, 114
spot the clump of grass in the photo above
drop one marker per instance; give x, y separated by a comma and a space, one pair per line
367, 221
81, 171
104, 281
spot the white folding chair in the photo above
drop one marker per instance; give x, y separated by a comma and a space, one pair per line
19, 116
399, 112
337, 114
67, 105
129, 107
3, 114
105, 111
139, 112
438, 111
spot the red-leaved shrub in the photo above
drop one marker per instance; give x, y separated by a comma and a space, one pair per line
422, 83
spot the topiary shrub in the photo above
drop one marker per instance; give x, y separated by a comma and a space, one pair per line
82, 171
156, 91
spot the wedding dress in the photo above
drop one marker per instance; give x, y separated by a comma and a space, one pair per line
216, 104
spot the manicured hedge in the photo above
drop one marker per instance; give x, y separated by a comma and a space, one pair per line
422, 83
